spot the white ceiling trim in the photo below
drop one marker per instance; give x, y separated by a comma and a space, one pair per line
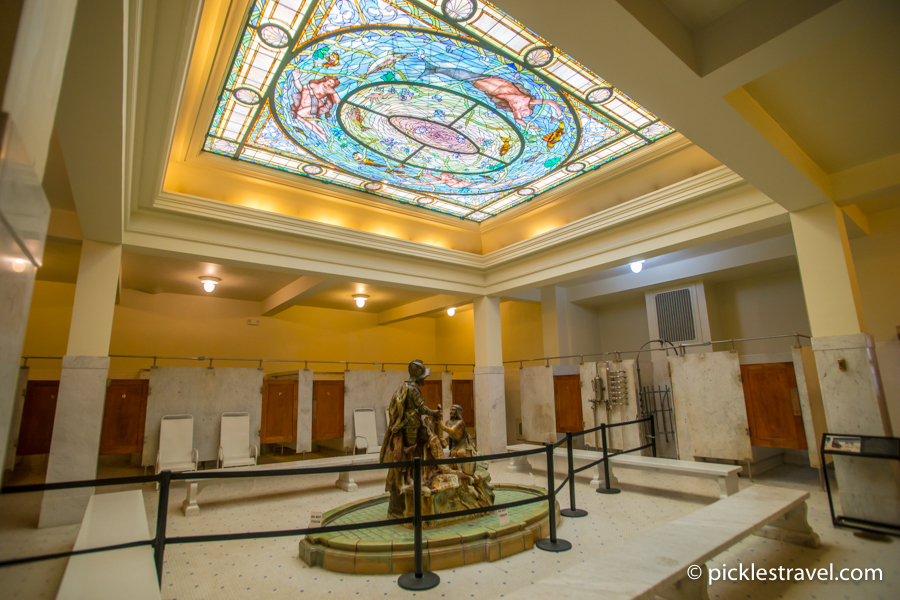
711, 182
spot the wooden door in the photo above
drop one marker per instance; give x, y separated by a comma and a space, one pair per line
567, 396
328, 410
38, 413
464, 396
431, 394
124, 414
773, 406
279, 412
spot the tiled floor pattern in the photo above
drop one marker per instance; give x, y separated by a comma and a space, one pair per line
269, 568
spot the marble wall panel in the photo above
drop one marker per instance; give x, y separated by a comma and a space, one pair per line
369, 389
855, 405
204, 393
538, 409
620, 438
710, 413
490, 409
15, 419
75, 445
810, 395
304, 410
538, 401
446, 393
513, 404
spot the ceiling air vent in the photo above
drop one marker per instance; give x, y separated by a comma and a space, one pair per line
675, 315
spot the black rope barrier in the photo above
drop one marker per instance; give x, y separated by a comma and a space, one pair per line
30, 559
417, 580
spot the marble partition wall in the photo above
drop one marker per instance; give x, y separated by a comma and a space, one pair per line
75, 445
369, 389
810, 396
620, 438
15, 419
490, 409
304, 410
855, 405
204, 393
710, 414
514, 433
538, 401
446, 393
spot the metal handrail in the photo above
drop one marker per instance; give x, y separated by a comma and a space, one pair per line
616, 353
305, 361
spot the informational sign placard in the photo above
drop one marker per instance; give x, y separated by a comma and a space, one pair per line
839, 443
315, 518
503, 517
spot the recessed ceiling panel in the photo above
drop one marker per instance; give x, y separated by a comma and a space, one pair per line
450, 105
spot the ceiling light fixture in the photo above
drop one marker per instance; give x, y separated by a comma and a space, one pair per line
18, 265
209, 283
637, 266
360, 299
451, 311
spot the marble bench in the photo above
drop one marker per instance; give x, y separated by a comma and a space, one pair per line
344, 481
656, 564
117, 518
725, 475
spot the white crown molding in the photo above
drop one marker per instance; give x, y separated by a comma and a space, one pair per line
713, 181
618, 167
252, 217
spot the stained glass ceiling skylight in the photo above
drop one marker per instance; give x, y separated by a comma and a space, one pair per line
450, 105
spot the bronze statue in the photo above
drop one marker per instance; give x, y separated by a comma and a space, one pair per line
411, 432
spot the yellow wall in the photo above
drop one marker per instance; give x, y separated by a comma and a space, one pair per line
759, 306
180, 325
520, 324
623, 325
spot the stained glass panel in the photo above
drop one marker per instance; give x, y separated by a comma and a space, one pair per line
449, 105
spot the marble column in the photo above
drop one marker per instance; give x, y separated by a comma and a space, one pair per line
490, 397
75, 446
849, 379
24, 214
555, 323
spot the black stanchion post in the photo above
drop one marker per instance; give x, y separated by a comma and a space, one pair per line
606, 489
572, 511
653, 435
162, 513
419, 579
552, 544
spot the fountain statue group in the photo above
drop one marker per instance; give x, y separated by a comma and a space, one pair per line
413, 430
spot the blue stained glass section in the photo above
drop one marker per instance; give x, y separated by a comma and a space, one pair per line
423, 111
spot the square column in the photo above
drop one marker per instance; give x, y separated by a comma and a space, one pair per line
490, 394
75, 446
849, 379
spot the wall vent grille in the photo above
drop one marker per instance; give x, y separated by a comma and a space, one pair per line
675, 315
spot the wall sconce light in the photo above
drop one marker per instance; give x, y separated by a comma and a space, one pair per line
451, 311
360, 299
210, 283
637, 266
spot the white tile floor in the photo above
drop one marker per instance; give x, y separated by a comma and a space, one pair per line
269, 568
